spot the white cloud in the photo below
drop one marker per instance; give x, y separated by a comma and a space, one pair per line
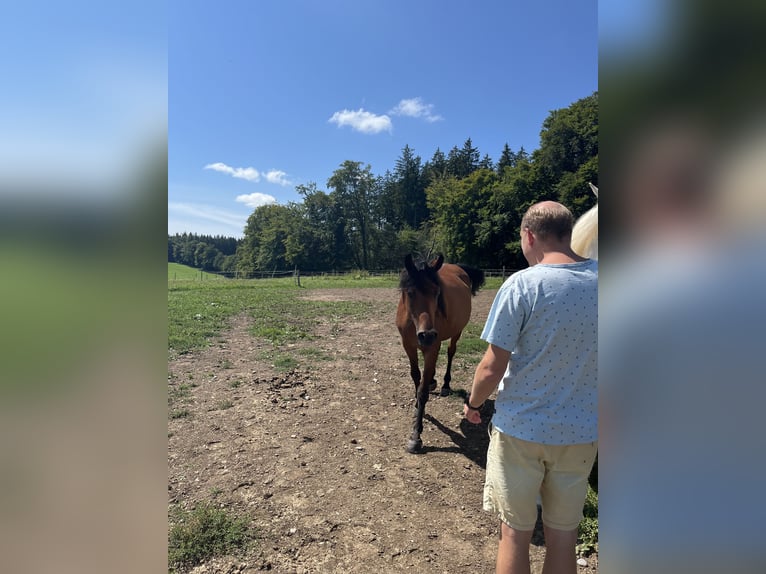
205, 212
278, 177
204, 220
362, 121
256, 199
416, 108
248, 173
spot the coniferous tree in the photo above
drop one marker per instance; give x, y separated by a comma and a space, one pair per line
455, 166
408, 177
486, 162
435, 168
507, 159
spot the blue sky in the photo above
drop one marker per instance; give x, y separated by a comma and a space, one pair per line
267, 95
83, 99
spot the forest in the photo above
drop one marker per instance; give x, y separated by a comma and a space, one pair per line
461, 204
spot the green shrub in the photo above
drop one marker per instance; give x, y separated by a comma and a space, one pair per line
202, 533
587, 532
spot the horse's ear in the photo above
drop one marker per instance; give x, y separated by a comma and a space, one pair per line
409, 265
437, 263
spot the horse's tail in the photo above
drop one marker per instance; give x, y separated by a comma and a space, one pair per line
476, 276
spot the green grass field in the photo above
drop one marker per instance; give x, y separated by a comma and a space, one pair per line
198, 309
178, 272
200, 304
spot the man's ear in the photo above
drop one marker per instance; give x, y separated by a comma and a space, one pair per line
530, 236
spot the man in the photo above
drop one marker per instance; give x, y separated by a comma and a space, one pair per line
542, 335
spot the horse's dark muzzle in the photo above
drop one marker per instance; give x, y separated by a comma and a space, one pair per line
426, 338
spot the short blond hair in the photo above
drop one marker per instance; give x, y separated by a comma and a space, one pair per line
549, 220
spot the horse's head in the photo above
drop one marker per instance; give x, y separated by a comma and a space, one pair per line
421, 292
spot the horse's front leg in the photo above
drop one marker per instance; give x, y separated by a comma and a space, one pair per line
412, 355
416, 443
446, 390
431, 377
429, 369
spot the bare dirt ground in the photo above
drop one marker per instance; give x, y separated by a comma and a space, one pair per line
315, 457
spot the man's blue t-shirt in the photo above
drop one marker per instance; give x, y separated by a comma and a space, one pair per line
547, 317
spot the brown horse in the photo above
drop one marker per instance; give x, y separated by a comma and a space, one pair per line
435, 305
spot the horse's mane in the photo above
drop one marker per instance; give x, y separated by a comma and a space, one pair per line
425, 273
585, 234
585, 231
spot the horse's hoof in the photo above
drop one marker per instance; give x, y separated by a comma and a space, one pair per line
445, 392
414, 446
432, 386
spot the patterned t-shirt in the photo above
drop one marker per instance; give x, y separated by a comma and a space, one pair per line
547, 317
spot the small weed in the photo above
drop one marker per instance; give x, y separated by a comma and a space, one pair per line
235, 384
225, 404
312, 353
180, 414
285, 362
202, 533
181, 392
226, 364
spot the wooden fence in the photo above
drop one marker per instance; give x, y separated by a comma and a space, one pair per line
298, 273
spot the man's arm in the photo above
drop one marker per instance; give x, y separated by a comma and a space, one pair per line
488, 375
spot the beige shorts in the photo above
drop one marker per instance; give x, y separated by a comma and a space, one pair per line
519, 470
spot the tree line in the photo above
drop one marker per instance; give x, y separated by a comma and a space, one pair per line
207, 252
461, 204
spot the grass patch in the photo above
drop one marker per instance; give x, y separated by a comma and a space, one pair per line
313, 354
288, 318
225, 404
178, 272
279, 360
180, 414
493, 283
284, 362
353, 280
470, 346
199, 310
587, 532
181, 392
203, 533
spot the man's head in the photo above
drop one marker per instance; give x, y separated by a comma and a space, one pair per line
546, 225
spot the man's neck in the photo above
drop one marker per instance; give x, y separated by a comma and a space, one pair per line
560, 256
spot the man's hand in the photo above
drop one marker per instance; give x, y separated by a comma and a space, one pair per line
472, 415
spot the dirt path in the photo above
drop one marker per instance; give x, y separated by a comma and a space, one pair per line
316, 456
